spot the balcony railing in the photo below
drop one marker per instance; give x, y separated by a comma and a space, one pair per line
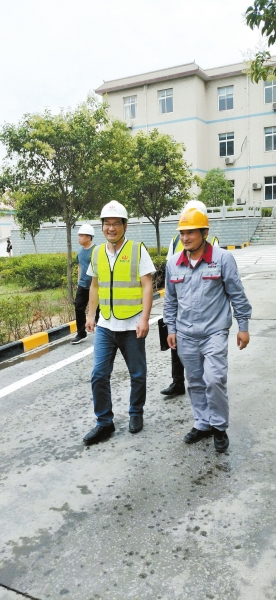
224, 212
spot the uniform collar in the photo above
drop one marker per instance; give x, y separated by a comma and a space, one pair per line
206, 256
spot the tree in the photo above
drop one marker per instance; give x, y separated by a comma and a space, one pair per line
161, 178
57, 157
216, 189
113, 179
31, 211
262, 14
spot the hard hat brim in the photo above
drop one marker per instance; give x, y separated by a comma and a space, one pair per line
190, 227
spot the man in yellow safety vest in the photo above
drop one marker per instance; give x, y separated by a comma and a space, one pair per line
122, 286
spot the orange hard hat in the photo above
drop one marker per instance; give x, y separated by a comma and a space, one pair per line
192, 218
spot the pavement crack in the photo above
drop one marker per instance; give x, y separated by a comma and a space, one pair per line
22, 594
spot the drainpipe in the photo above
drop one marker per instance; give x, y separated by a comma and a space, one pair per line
248, 140
146, 106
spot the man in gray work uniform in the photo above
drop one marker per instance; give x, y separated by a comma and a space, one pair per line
178, 379
201, 282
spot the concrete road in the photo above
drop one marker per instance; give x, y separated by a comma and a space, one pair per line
141, 516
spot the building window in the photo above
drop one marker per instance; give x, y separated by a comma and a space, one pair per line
130, 107
165, 101
270, 188
226, 97
270, 91
226, 144
270, 138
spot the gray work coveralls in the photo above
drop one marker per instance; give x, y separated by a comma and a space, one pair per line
197, 308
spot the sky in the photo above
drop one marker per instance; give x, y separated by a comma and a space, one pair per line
54, 52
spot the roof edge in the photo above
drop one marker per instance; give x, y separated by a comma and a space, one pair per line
103, 89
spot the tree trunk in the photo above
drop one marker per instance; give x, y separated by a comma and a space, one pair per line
34, 243
158, 237
69, 262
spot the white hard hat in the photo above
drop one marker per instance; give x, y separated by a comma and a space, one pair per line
114, 209
196, 204
86, 229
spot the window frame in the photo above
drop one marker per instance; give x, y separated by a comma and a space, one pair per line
129, 105
165, 98
226, 142
273, 188
225, 87
273, 136
268, 85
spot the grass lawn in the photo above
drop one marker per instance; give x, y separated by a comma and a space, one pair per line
7, 289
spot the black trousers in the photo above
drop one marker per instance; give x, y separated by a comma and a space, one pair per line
81, 301
177, 368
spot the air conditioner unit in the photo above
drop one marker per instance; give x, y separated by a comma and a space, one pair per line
274, 106
229, 160
129, 124
241, 201
256, 186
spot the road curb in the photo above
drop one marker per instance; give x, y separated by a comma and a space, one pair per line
236, 247
31, 342
159, 294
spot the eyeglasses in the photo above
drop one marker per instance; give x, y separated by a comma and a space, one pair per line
116, 224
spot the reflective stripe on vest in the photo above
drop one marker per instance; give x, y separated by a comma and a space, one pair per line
120, 290
213, 240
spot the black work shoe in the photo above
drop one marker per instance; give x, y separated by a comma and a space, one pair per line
174, 389
135, 423
221, 440
79, 338
195, 435
98, 433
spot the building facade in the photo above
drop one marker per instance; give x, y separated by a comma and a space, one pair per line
223, 119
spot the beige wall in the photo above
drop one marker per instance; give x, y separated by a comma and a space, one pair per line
197, 122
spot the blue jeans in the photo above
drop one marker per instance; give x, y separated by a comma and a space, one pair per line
106, 344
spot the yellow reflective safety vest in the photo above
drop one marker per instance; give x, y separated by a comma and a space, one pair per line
213, 240
178, 246
120, 290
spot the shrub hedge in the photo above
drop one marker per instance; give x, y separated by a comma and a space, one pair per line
37, 272
266, 212
153, 252
159, 277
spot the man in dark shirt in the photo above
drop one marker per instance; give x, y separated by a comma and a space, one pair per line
85, 234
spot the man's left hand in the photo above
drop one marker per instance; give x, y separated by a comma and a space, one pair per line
142, 328
242, 339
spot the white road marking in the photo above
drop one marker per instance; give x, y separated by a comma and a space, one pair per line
248, 276
263, 256
62, 363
